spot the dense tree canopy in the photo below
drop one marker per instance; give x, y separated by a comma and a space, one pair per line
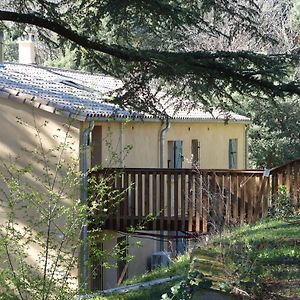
162, 44
275, 135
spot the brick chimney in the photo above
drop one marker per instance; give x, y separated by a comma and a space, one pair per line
26, 49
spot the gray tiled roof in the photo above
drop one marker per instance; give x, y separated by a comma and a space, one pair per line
78, 94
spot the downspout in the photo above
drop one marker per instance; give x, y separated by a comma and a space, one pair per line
84, 251
122, 163
246, 146
1, 47
162, 137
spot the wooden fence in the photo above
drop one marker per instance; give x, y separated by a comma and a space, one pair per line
287, 176
192, 200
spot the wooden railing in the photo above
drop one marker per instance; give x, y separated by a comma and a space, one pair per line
192, 200
287, 176
185, 199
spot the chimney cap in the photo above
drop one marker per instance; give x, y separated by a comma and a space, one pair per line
27, 37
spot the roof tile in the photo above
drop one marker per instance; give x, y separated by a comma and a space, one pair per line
77, 94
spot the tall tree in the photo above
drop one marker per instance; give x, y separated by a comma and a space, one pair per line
110, 36
274, 135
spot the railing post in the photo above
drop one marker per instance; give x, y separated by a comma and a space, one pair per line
161, 200
296, 185
176, 212
235, 199
244, 199
147, 194
198, 203
132, 198
183, 198
169, 201
154, 199
288, 179
228, 199
126, 187
205, 201
190, 201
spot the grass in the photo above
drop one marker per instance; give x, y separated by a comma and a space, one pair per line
261, 259
179, 266
153, 293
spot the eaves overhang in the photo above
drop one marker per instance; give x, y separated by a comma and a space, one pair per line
83, 116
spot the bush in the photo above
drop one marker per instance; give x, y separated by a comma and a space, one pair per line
282, 204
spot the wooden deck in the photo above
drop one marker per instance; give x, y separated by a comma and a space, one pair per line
192, 200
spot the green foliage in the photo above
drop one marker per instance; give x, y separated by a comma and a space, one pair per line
40, 231
185, 288
179, 266
259, 260
42, 216
153, 46
67, 61
10, 51
275, 133
154, 292
283, 207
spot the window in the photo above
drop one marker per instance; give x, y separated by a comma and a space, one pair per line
232, 153
96, 158
195, 153
175, 154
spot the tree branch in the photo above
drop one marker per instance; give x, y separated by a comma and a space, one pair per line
223, 65
62, 30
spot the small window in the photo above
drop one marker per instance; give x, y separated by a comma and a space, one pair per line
96, 152
195, 153
233, 153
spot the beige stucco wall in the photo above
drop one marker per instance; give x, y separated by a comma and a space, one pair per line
214, 142
144, 137
18, 138
129, 144
15, 136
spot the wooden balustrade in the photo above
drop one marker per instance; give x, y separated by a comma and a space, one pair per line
193, 200
287, 176
185, 199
